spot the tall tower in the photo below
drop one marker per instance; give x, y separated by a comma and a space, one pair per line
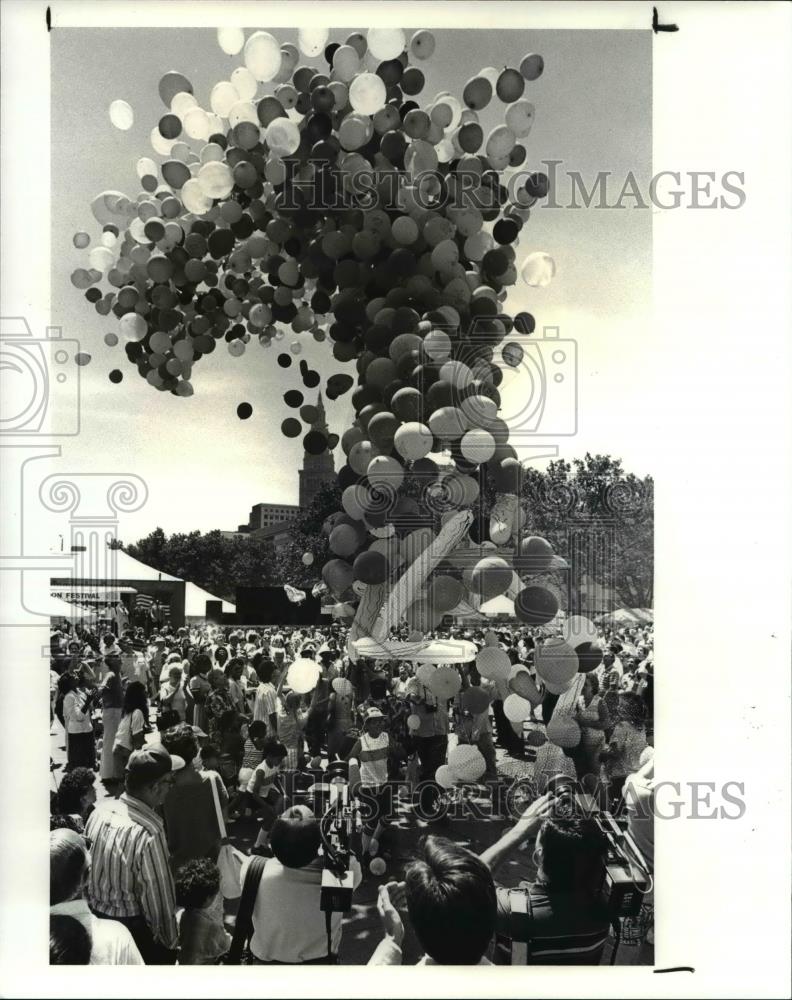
317, 469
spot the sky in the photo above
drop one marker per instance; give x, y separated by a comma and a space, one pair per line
205, 468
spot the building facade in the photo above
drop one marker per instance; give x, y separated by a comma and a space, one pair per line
317, 469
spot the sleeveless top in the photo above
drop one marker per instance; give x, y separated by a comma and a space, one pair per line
374, 759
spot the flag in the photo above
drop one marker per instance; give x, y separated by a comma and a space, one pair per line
143, 602
295, 596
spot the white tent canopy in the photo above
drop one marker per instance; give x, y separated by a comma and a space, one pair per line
195, 599
439, 651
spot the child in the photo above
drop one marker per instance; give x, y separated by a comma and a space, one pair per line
202, 938
372, 750
291, 723
263, 794
252, 751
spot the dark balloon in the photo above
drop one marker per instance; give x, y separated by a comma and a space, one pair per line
244, 410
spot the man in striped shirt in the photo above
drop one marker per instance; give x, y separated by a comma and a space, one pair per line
130, 879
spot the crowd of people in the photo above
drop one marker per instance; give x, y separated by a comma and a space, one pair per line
195, 732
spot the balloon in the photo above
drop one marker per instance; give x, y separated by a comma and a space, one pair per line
444, 776
132, 327
538, 269
231, 40
512, 354
520, 118
563, 731
346, 63
385, 473
477, 93
263, 56
445, 593
556, 662
413, 722
303, 675
521, 683
385, 43
510, 85
491, 577
196, 124
371, 567
535, 606
466, 762
445, 683
493, 663
122, 115
244, 83
577, 629
377, 866
354, 501
532, 66
215, 180
474, 700
222, 98
312, 41
422, 44
477, 446
516, 709
500, 141
307, 558
194, 198
367, 94
447, 423
589, 656
346, 539
413, 441
337, 574
536, 555
170, 85
491, 638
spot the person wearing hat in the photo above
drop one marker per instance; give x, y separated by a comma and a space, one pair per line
371, 750
130, 878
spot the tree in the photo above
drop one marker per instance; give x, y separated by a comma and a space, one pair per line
212, 561
594, 503
306, 536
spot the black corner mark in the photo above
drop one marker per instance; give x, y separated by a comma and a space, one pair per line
49, 19
675, 968
656, 26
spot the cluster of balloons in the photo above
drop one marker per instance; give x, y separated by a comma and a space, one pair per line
312, 190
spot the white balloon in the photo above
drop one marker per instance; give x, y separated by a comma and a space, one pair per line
577, 629
367, 94
196, 124
303, 675
216, 179
466, 762
491, 74
282, 136
223, 97
520, 117
122, 115
101, 259
444, 776
516, 709
385, 43
312, 41
244, 83
182, 102
194, 199
231, 40
243, 111
263, 56
538, 269
160, 144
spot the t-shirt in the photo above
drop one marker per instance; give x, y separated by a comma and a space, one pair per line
129, 726
190, 816
202, 937
266, 704
288, 925
268, 776
374, 759
111, 941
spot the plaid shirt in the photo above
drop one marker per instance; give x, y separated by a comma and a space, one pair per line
130, 875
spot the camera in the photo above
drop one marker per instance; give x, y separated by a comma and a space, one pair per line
626, 880
341, 817
626, 874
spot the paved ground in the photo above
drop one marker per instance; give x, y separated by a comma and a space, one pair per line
362, 928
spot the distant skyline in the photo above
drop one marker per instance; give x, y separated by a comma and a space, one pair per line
204, 467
